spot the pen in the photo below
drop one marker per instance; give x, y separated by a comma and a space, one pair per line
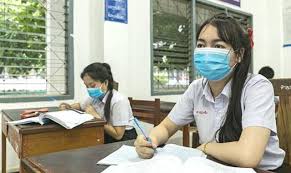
142, 131
76, 110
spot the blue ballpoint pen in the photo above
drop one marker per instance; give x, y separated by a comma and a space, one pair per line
142, 131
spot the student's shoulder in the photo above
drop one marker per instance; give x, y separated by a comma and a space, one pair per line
118, 97
257, 81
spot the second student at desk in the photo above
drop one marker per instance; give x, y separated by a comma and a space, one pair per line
106, 103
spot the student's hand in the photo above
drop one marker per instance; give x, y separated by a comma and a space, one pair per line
91, 110
64, 106
144, 148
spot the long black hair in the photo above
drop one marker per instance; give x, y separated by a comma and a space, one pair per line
230, 31
101, 72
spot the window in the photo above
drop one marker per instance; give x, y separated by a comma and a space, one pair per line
175, 23
171, 46
36, 58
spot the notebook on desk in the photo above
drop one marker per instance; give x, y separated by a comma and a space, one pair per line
172, 164
68, 118
127, 154
169, 159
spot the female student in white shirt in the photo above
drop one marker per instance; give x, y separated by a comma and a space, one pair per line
106, 103
234, 111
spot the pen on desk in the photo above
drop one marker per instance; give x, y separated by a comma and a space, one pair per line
76, 110
141, 129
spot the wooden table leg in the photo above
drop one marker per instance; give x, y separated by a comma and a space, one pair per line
3, 153
186, 135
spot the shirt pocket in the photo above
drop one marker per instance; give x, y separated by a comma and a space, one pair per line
205, 125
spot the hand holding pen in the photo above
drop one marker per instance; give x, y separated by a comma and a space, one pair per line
144, 146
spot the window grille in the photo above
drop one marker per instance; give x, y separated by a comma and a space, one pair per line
36, 58
171, 46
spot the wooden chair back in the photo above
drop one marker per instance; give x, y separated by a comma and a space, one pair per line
282, 88
146, 110
115, 85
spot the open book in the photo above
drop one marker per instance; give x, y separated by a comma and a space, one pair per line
68, 118
173, 164
169, 159
127, 154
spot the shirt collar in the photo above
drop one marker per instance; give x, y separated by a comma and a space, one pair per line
97, 101
226, 91
106, 96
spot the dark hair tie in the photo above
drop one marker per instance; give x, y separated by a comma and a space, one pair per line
250, 34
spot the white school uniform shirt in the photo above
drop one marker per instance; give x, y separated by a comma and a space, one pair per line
258, 109
120, 109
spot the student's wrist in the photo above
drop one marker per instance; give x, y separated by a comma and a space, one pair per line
154, 140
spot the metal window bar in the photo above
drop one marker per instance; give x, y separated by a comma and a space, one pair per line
32, 34
34, 49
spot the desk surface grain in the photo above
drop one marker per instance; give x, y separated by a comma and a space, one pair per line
71, 161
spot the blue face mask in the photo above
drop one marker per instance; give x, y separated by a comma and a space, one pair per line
96, 93
212, 63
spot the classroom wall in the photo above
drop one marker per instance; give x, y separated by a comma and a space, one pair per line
287, 50
127, 48
267, 35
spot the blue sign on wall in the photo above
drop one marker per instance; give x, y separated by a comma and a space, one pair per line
116, 10
233, 2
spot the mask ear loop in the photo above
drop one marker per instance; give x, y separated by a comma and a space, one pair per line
239, 60
239, 56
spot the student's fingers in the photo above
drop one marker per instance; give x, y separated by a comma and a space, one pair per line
64, 106
144, 148
154, 142
145, 152
142, 142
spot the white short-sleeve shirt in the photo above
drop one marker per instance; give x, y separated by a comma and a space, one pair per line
120, 109
258, 109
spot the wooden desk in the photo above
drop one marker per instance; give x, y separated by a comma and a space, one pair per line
78, 160
34, 139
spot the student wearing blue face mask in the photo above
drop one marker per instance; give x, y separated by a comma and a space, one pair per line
234, 110
106, 103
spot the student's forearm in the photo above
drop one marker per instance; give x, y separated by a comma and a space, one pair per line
159, 134
246, 152
233, 153
110, 130
163, 131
